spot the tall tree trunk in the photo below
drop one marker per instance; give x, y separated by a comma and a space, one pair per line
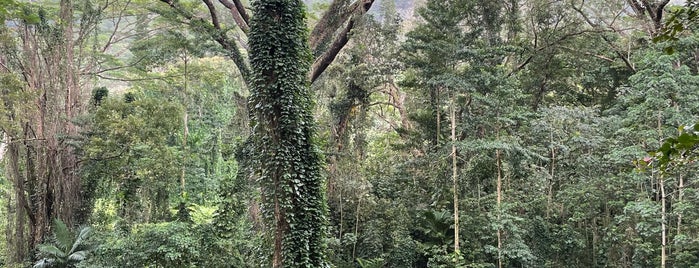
454, 175
499, 205
183, 169
287, 161
680, 194
50, 162
663, 227
356, 228
437, 109
549, 196
185, 134
16, 237
68, 183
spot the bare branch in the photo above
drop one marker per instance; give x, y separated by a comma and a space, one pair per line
116, 27
321, 63
113, 68
212, 11
214, 30
637, 8
21, 140
609, 42
653, 11
238, 17
659, 15
136, 79
241, 9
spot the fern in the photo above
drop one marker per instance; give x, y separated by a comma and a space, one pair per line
68, 249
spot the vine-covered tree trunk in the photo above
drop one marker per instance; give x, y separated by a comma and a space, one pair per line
42, 160
288, 163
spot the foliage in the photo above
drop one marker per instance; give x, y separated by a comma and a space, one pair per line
172, 244
128, 154
683, 146
287, 161
681, 20
67, 250
373, 263
555, 107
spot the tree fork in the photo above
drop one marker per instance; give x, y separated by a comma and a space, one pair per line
345, 22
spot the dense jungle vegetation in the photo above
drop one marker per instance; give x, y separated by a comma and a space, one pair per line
349, 133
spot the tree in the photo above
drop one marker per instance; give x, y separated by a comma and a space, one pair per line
651, 13
42, 50
458, 58
287, 160
127, 157
329, 36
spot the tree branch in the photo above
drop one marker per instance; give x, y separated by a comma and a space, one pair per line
239, 15
214, 30
116, 27
609, 42
212, 11
337, 14
324, 60
112, 68
659, 15
241, 10
135, 79
645, 9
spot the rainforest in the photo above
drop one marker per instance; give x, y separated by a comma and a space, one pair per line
349, 133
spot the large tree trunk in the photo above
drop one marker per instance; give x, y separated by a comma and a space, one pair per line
287, 162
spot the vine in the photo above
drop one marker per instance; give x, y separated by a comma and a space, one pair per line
287, 162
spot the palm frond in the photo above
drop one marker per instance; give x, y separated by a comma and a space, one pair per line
78, 256
63, 235
51, 251
43, 263
80, 240
371, 263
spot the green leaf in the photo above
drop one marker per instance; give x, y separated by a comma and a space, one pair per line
62, 235
78, 256
51, 250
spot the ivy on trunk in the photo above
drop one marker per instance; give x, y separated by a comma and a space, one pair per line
287, 161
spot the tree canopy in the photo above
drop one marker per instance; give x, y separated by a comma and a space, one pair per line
348, 133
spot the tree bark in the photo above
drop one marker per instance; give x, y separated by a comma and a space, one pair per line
499, 205
454, 175
663, 227
238, 12
337, 14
